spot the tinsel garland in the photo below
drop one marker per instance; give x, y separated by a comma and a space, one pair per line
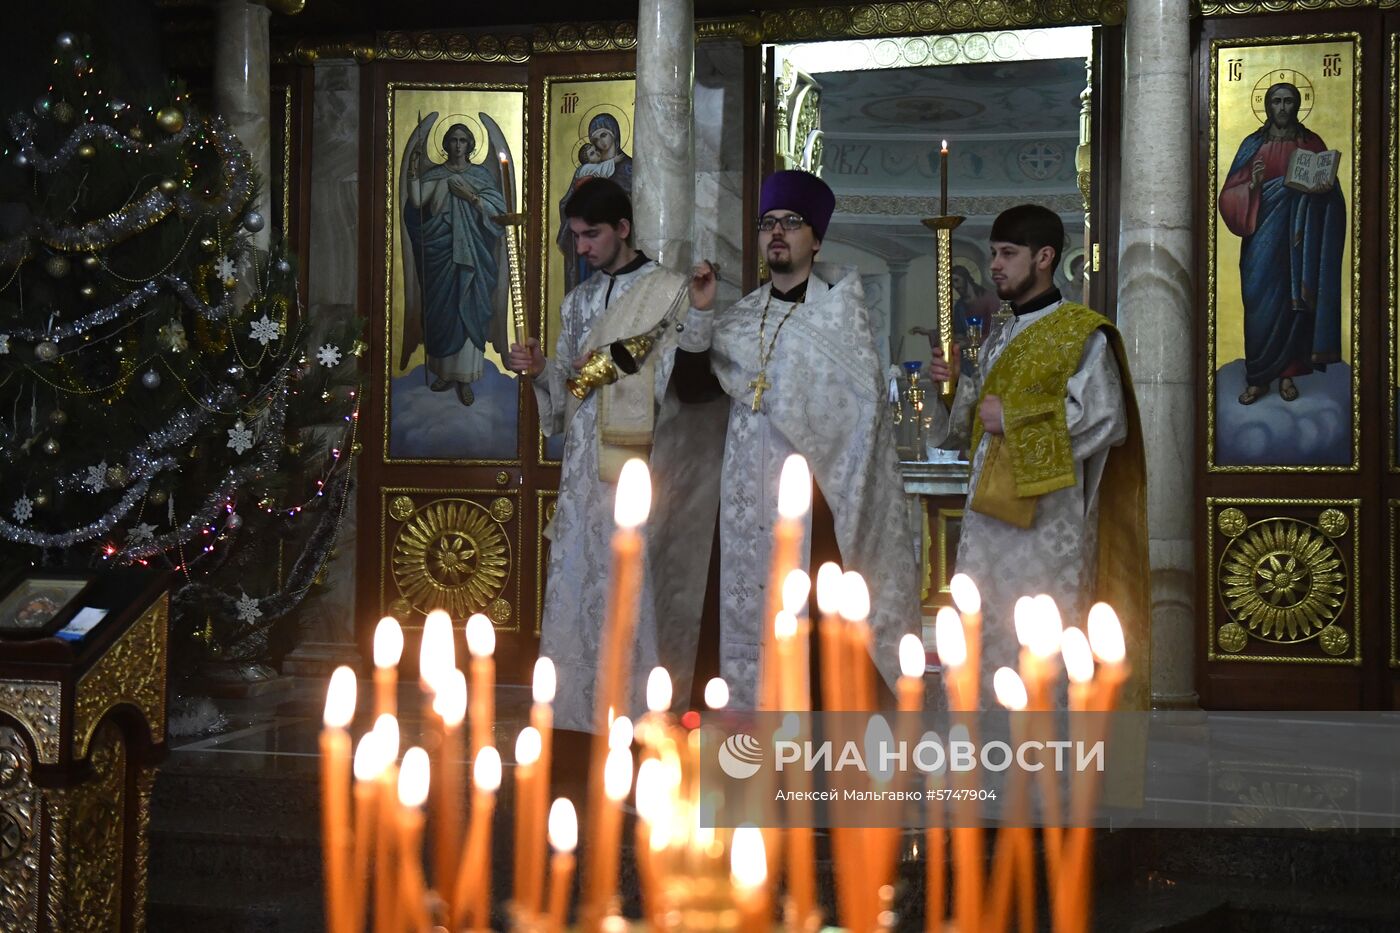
131, 302
95, 529
22, 128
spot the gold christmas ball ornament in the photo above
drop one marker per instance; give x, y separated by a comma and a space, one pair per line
208, 245
58, 417
57, 266
87, 151
41, 500
63, 112
169, 186
88, 291
91, 263
265, 503
170, 119
136, 133
52, 447
46, 351
116, 476
158, 496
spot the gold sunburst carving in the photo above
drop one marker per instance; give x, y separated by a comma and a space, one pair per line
1283, 580
451, 555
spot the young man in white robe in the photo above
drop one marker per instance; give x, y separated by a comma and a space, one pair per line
797, 360
1056, 500
623, 415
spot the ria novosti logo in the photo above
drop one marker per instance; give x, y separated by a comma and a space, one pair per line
740, 756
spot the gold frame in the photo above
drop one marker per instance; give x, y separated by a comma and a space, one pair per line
1261, 7
1393, 286
1213, 504
390, 87
387, 492
543, 214
1212, 203
944, 564
1393, 510
540, 496
286, 161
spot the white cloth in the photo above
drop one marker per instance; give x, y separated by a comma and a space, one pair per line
580, 558
1057, 554
826, 403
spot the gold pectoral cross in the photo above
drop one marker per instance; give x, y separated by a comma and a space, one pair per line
759, 386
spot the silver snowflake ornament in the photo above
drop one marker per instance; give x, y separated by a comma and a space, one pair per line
96, 479
240, 438
224, 268
248, 611
141, 534
329, 355
24, 509
4, 344
265, 330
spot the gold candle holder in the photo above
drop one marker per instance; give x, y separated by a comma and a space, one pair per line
943, 228
512, 222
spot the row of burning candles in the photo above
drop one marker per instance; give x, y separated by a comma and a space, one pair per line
683, 866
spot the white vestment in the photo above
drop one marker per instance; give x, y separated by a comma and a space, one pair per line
1057, 554
580, 558
825, 403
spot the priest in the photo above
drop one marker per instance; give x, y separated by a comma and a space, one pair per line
797, 360
1057, 500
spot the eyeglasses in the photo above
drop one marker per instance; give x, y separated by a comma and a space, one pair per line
789, 222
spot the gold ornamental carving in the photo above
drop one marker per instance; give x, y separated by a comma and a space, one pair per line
36, 704
19, 837
927, 16
502, 477
132, 672
1231, 522
1257, 7
451, 555
453, 47
141, 874
500, 611
1283, 580
502, 509
1232, 637
1333, 522
585, 37
86, 827
400, 508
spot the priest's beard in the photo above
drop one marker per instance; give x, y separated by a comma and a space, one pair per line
1018, 291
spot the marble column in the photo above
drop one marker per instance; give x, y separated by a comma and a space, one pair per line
1155, 298
663, 157
241, 92
719, 161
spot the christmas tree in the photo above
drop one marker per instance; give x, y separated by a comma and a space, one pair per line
164, 402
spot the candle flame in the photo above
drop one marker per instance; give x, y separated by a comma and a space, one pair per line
1105, 634
503, 156
486, 770
911, 656
451, 700
950, 638
436, 654
528, 746
794, 487
544, 682
617, 773
388, 643
369, 757
797, 586
633, 501
340, 699
658, 690
388, 729
413, 778
748, 864
481, 636
1010, 691
855, 597
651, 791
1046, 629
945, 147
785, 624
716, 693
563, 825
1023, 613
965, 594
620, 733
828, 588
1079, 660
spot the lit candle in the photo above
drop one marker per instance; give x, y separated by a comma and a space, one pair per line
801, 849
481, 643
1079, 666
527, 774
413, 791
1011, 692
935, 864
716, 693
794, 501
435, 659
450, 706
829, 634
436, 652
748, 873
1040, 645
385, 891
563, 838
507, 181
388, 648
652, 819
369, 766
951, 641
335, 796
911, 670
471, 899
542, 718
943, 180
797, 588
855, 609
604, 852
1106, 640
969, 603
